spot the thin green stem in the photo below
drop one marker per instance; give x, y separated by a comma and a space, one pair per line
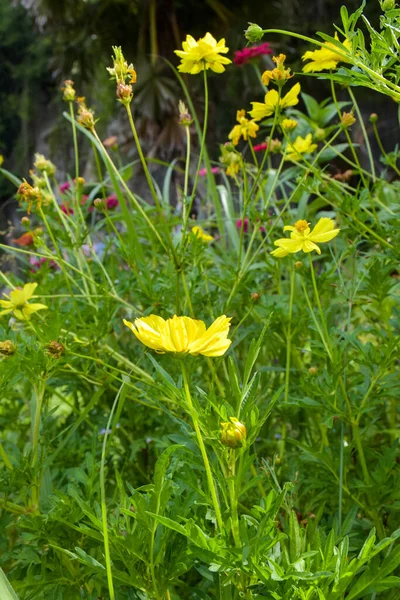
365, 134
103, 498
75, 139
289, 333
37, 398
234, 499
210, 480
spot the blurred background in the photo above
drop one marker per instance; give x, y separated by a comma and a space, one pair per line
44, 42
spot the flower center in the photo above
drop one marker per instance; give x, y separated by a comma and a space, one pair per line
301, 226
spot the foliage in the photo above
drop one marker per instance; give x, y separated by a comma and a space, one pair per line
270, 471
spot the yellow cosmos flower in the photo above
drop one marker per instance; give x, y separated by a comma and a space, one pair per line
272, 100
302, 238
300, 146
18, 303
246, 128
182, 335
289, 124
203, 54
201, 234
325, 58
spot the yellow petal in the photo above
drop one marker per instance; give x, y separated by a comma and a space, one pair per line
291, 98
324, 231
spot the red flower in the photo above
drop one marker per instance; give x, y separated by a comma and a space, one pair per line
260, 147
66, 209
112, 201
244, 56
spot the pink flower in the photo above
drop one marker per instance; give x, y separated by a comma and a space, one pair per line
37, 263
112, 201
260, 147
244, 56
64, 186
203, 171
246, 225
66, 209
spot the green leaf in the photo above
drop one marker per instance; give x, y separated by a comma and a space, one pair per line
6, 591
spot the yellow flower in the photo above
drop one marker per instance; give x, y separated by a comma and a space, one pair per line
289, 124
325, 58
1, 159
271, 101
203, 54
301, 238
246, 128
300, 146
18, 303
201, 234
182, 335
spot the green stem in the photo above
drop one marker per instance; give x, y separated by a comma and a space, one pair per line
74, 136
210, 480
289, 333
38, 400
365, 134
186, 180
234, 500
103, 499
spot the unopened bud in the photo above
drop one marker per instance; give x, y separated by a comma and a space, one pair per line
388, 4
99, 203
37, 232
373, 118
7, 348
68, 91
255, 296
253, 33
298, 265
43, 165
275, 146
55, 349
25, 221
85, 115
348, 119
319, 134
289, 124
233, 433
185, 118
313, 371
124, 92
111, 142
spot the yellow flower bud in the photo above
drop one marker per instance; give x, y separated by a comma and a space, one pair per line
348, 119
373, 118
68, 91
313, 371
233, 433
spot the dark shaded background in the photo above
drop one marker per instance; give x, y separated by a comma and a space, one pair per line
43, 42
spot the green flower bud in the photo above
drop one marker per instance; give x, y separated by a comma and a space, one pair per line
388, 4
233, 434
254, 33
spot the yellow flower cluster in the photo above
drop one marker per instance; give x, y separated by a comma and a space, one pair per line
182, 335
202, 55
245, 129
